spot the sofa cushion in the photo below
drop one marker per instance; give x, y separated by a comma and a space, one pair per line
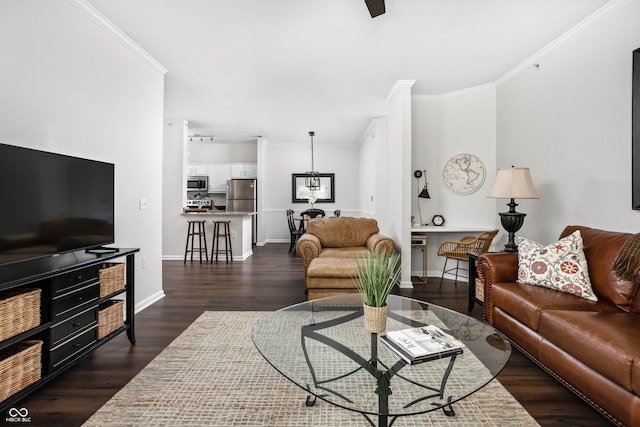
525, 303
340, 232
606, 342
560, 265
600, 249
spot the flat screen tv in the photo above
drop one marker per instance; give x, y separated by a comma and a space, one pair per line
52, 203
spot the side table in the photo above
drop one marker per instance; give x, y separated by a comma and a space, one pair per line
473, 279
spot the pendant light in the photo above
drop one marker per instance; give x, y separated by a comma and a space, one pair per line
312, 179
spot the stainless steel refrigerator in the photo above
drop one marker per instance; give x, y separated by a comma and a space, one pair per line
242, 197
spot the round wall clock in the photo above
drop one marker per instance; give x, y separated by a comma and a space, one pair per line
464, 174
437, 220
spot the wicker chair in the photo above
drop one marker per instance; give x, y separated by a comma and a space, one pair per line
457, 250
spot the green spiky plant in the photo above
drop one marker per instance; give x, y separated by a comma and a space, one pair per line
376, 274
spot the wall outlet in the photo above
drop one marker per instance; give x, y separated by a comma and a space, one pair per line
145, 262
143, 203
233, 234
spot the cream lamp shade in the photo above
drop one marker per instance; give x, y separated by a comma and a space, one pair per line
513, 183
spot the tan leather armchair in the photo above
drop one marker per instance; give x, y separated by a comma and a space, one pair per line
341, 237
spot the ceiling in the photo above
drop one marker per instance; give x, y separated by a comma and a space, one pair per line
280, 68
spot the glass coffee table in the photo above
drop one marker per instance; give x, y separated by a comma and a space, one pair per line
322, 346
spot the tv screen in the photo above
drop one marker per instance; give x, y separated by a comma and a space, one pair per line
52, 203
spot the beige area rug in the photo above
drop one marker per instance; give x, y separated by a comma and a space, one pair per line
212, 375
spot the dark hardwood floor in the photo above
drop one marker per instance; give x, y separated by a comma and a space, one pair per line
268, 280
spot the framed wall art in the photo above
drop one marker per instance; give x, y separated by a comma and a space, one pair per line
300, 193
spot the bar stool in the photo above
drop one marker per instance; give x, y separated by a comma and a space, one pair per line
196, 228
215, 244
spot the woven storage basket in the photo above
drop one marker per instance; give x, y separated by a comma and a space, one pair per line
479, 290
20, 365
19, 311
111, 279
110, 317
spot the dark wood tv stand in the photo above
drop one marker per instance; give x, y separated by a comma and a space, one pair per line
68, 308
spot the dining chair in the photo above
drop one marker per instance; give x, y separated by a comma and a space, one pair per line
458, 251
293, 231
313, 213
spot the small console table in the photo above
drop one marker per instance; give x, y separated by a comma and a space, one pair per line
419, 238
70, 298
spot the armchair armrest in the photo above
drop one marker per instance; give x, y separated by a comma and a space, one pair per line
380, 243
496, 268
308, 247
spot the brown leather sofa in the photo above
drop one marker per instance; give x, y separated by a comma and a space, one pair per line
593, 348
328, 248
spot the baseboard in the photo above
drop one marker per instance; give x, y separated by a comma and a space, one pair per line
149, 301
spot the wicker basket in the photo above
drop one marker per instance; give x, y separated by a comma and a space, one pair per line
19, 311
20, 365
110, 317
111, 279
479, 290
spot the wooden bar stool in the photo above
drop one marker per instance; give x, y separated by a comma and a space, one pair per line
226, 235
196, 228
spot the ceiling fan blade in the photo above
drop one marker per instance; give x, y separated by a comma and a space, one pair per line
376, 7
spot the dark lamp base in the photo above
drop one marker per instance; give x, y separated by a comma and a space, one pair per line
512, 222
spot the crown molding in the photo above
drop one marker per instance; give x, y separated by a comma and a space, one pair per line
591, 20
110, 28
400, 84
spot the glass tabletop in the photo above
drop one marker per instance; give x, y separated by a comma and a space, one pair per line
322, 346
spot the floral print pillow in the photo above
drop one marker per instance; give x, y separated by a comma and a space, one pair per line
561, 265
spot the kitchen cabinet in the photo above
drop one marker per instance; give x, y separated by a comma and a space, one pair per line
194, 170
218, 176
244, 170
220, 173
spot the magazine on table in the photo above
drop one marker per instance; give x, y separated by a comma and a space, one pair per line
421, 344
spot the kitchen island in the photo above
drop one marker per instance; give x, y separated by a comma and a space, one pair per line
240, 226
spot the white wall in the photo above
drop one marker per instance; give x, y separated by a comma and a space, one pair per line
372, 180
221, 152
174, 225
70, 87
394, 207
443, 126
569, 120
279, 160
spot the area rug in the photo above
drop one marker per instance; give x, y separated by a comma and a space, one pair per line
212, 375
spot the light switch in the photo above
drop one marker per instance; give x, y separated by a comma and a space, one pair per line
143, 203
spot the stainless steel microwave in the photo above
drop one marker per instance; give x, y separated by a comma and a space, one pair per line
197, 183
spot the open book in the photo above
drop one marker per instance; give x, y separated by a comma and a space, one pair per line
417, 345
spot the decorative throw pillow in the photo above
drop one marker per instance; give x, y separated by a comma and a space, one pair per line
561, 265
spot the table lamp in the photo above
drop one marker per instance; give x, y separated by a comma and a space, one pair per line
513, 183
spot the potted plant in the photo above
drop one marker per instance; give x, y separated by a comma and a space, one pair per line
376, 274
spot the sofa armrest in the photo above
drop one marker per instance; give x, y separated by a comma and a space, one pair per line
496, 268
380, 243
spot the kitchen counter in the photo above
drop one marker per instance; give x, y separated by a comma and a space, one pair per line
240, 227
219, 213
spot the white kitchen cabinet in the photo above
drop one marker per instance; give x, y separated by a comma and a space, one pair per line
218, 176
197, 170
248, 170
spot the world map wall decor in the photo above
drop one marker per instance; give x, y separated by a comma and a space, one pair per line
464, 174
